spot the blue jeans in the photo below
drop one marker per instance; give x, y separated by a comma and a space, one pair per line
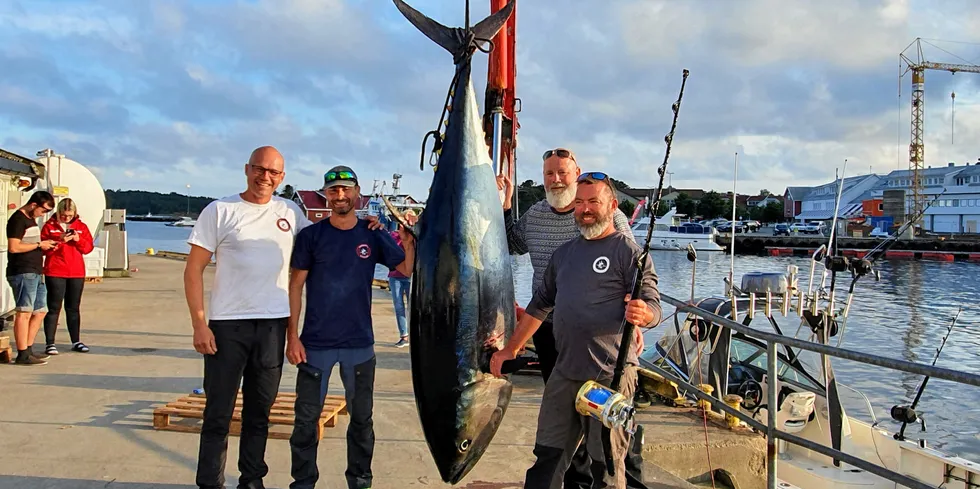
400, 287
30, 294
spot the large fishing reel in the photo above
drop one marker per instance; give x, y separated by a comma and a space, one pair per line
609, 407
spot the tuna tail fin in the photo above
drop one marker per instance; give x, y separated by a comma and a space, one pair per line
456, 40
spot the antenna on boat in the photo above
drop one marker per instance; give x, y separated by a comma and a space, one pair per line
731, 245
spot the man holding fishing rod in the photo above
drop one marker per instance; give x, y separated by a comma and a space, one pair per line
544, 227
586, 283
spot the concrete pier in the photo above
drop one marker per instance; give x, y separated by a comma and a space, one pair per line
84, 421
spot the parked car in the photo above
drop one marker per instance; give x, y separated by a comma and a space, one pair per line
752, 225
726, 227
780, 230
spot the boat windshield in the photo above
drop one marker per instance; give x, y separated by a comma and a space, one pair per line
754, 355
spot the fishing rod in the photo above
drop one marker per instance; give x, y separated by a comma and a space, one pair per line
864, 266
608, 405
907, 414
834, 264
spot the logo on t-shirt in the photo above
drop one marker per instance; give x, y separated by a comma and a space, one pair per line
363, 250
600, 265
282, 224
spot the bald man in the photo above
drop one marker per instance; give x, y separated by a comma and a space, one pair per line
243, 336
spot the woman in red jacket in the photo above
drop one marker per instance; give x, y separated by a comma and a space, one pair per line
64, 272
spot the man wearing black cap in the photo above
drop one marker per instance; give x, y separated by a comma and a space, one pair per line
335, 259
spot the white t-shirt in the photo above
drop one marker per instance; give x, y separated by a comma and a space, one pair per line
252, 244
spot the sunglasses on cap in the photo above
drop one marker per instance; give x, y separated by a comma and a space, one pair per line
331, 176
559, 152
595, 175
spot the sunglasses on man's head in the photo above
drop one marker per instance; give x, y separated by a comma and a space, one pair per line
339, 175
595, 175
561, 153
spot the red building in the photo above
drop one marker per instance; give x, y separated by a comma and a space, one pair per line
793, 201
314, 204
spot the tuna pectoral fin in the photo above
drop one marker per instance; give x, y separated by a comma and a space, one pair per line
455, 40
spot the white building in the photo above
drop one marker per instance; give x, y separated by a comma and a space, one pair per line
818, 204
958, 211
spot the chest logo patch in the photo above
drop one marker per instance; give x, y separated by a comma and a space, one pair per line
600, 265
363, 250
283, 224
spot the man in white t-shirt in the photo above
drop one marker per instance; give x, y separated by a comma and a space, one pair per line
243, 337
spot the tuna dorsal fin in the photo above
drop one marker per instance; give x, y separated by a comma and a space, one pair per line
454, 39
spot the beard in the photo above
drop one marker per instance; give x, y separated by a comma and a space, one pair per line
341, 207
594, 230
559, 198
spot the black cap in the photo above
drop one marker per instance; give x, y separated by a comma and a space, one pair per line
339, 175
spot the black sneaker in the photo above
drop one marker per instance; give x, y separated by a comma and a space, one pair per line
42, 356
30, 360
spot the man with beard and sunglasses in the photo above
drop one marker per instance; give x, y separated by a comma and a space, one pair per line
542, 228
335, 260
585, 284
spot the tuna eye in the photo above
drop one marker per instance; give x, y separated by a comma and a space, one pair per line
464, 445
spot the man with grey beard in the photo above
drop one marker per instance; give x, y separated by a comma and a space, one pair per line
585, 284
542, 228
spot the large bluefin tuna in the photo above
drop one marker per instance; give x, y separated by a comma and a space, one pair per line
462, 298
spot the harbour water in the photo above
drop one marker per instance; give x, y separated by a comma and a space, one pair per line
905, 316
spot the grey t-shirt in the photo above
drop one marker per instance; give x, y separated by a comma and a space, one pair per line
541, 230
585, 284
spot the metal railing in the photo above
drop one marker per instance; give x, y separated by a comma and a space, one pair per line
772, 433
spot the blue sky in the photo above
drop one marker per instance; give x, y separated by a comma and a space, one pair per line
158, 94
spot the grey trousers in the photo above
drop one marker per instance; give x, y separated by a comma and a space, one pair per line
561, 429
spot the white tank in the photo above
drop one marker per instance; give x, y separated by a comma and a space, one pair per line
65, 177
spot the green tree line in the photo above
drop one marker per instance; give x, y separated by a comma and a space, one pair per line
141, 202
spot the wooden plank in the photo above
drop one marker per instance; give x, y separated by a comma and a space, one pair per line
281, 414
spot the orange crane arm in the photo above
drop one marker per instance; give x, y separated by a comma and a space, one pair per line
500, 119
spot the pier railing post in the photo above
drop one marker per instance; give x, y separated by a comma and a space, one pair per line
772, 402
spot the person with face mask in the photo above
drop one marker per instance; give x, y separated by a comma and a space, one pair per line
585, 284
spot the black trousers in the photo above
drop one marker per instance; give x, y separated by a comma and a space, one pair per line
312, 379
584, 473
69, 291
250, 353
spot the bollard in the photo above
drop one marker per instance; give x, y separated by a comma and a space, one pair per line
707, 389
734, 401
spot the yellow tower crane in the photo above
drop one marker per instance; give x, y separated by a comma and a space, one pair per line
918, 67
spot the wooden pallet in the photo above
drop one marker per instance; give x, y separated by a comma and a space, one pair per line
93, 280
282, 414
6, 352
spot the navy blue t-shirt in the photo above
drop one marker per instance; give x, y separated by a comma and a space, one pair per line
338, 287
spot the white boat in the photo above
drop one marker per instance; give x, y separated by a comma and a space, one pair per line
805, 409
183, 222
669, 234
